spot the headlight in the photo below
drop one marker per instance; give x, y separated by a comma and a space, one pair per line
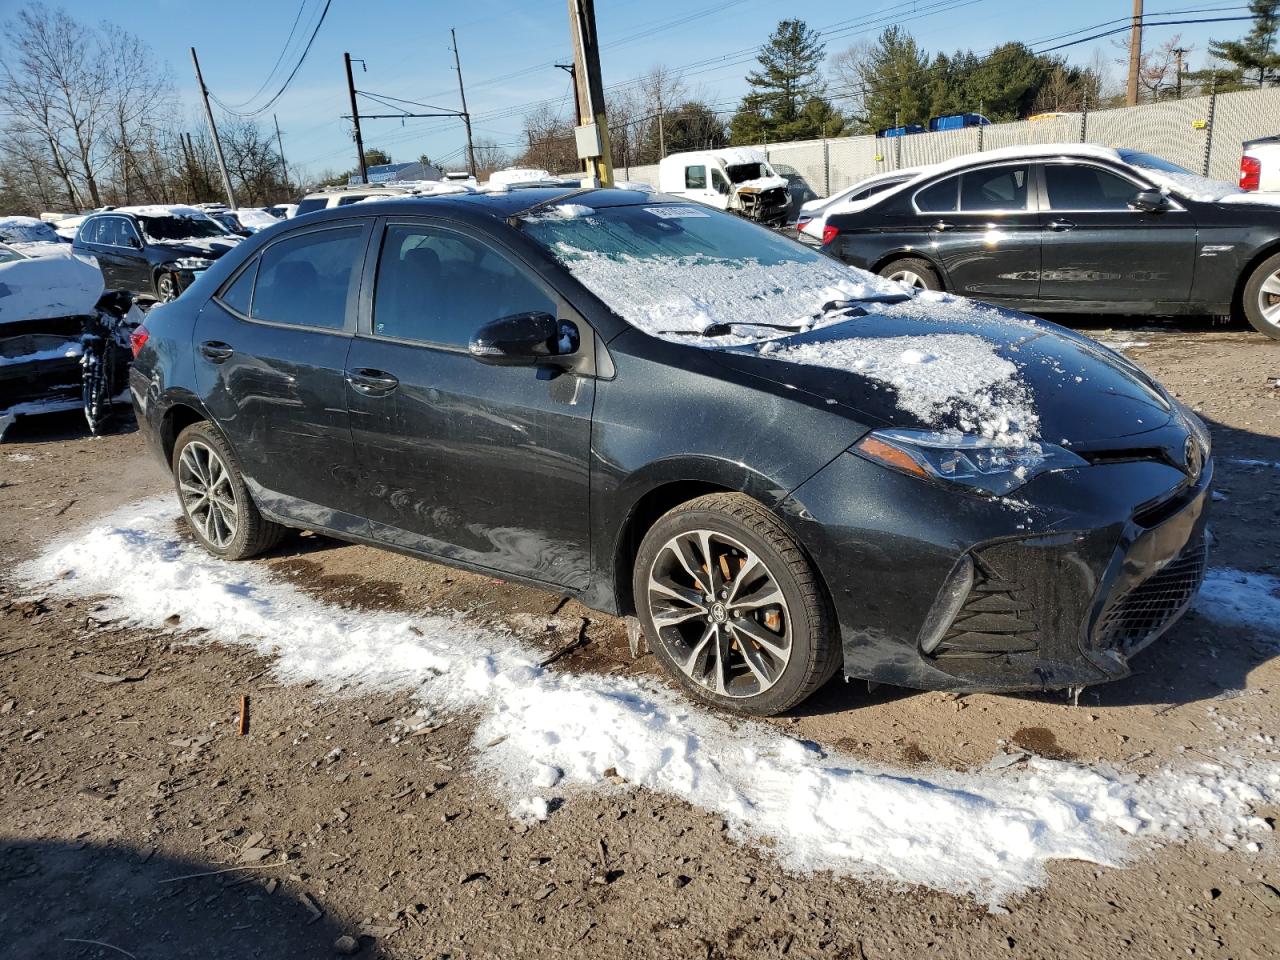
1197, 428
194, 263
978, 463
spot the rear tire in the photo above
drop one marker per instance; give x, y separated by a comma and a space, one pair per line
1261, 297
913, 272
215, 501
760, 655
166, 287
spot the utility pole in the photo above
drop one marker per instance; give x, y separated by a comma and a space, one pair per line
592, 134
662, 133
284, 167
213, 132
462, 94
1179, 52
1135, 54
355, 117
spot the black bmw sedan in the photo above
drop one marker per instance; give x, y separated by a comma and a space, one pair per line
153, 252
783, 466
1078, 229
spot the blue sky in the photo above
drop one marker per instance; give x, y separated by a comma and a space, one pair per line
508, 49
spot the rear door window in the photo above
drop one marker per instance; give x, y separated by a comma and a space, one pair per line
995, 188
1081, 188
437, 286
940, 197
307, 279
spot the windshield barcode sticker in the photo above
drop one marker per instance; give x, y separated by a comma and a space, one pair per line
676, 213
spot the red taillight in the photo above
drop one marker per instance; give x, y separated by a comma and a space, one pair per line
138, 339
1250, 173
829, 233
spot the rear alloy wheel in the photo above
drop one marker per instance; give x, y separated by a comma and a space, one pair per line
912, 272
732, 607
1262, 297
166, 287
214, 497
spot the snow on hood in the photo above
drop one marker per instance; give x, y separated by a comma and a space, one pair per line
15, 230
762, 183
51, 248
215, 245
47, 287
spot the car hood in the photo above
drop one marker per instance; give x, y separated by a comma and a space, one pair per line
976, 369
211, 248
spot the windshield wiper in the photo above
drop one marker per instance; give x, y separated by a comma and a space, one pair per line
840, 306
724, 329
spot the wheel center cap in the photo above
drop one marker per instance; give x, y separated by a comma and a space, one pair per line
718, 613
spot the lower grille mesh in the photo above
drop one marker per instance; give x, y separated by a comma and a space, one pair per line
1149, 607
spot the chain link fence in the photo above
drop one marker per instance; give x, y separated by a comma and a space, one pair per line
1203, 134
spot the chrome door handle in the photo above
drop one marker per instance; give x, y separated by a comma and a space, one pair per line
372, 382
943, 225
1061, 226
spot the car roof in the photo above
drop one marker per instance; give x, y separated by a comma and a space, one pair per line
501, 204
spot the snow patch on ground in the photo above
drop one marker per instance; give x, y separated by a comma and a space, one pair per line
939, 377
1243, 599
986, 833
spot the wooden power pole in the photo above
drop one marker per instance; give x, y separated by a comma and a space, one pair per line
592, 133
462, 95
1135, 54
213, 132
355, 118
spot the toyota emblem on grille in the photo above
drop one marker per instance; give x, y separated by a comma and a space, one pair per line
1194, 458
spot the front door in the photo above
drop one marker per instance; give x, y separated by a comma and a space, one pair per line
1100, 253
486, 465
983, 228
270, 353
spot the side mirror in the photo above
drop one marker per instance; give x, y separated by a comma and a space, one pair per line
523, 340
1149, 201
135, 243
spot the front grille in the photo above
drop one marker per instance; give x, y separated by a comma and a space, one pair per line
995, 620
1137, 616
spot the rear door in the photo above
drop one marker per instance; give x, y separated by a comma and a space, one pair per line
487, 465
1100, 253
270, 353
982, 226
131, 262
105, 245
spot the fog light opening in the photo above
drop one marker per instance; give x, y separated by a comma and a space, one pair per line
954, 592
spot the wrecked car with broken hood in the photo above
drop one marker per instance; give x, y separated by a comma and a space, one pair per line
782, 465
737, 179
63, 340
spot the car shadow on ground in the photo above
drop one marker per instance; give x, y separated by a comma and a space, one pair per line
81, 900
64, 425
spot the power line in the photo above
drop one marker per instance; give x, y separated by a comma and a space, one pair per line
280, 59
288, 80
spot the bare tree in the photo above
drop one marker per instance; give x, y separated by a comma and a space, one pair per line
490, 156
138, 97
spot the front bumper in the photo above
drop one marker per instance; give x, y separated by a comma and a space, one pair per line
1052, 596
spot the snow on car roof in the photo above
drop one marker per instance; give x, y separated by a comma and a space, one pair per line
161, 210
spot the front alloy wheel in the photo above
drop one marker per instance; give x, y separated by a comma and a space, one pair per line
732, 607
720, 614
166, 287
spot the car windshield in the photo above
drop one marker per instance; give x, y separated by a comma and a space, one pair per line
1178, 179
173, 227
676, 270
742, 172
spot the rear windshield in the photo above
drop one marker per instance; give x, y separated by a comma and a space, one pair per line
681, 268
181, 228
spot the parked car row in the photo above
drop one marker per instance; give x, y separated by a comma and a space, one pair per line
1071, 229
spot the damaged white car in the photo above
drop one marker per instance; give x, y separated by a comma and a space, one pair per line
737, 179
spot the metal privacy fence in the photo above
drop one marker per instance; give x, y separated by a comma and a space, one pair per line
1203, 134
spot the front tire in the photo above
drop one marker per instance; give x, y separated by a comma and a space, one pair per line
166, 287
1261, 297
912, 272
732, 607
214, 498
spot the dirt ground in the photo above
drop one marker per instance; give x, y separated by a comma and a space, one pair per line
114, 793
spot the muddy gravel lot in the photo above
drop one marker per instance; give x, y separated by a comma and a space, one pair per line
136, 820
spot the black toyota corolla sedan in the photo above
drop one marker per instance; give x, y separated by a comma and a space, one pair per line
1076, 229
783, 466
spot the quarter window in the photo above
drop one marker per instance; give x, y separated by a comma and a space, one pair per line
238, 295
996, 188
939, 198
1072, 187
437, 286
306, 279
695, 178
